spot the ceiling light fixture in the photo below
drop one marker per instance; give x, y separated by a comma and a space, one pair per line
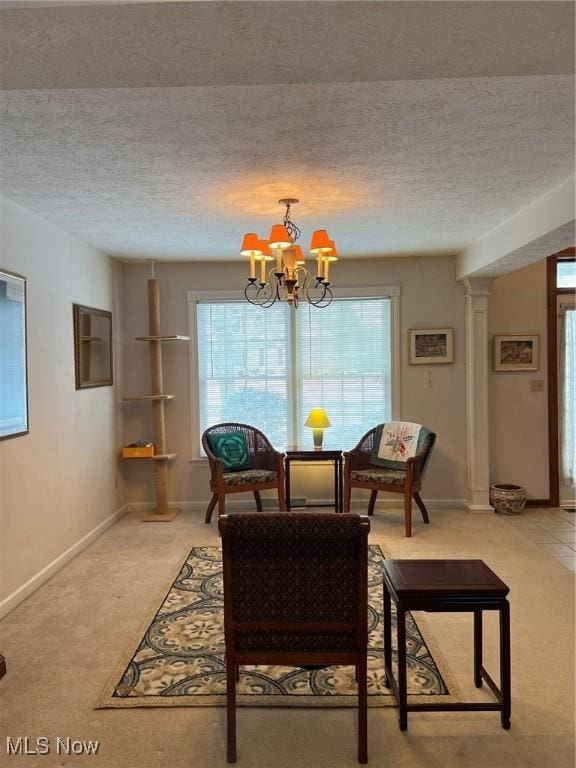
289, 280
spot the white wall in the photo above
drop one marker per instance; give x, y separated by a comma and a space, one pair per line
63, 480
435, 395
518, 416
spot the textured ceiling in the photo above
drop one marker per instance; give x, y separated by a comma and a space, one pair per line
168, 130
255, 43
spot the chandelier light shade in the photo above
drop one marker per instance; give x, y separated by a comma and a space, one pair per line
298, 255
252, 247
320, 242
279, 237
265, 250
290, 281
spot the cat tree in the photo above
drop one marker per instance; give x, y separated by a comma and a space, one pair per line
161, 458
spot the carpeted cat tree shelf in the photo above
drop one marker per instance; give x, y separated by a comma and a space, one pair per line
158, 399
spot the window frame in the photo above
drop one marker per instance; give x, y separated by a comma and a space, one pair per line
344, 292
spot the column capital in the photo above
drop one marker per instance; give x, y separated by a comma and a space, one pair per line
477, 286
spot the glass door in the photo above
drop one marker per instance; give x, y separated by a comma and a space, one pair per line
566, 306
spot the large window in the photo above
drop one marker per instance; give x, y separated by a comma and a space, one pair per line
269, 367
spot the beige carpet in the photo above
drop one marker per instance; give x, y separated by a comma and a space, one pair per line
63, 641
178, 658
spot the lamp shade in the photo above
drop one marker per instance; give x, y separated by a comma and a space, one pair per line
279, 237
320, 242
265, 250
251, 245
298, 255
317, 419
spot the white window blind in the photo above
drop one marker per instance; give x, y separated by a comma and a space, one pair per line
243, 372
344, 364
269, 367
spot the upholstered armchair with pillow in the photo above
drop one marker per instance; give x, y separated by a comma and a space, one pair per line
242, 460
391, 457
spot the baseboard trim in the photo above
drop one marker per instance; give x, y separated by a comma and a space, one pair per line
20, 594
538, 503
271, 503
479, 509
398, 503
198, 506
567, 504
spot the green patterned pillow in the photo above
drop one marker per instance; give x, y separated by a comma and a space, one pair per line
232, 450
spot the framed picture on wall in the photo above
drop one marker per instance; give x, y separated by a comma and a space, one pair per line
13, 362
516, 352
430, 346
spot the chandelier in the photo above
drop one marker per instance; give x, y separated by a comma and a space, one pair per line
289, 280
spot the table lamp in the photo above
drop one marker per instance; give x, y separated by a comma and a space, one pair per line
318, 420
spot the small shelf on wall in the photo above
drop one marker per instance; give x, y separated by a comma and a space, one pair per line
136, 398
162, 338
157, 457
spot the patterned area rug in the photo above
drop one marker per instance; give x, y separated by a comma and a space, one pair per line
180, 657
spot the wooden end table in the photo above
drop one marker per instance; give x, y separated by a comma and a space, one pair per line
295, 453
447, 585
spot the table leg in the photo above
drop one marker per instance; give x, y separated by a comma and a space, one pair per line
340, 489
478, 648
505, 673
287, 484
402, 689
335, 485
387, 634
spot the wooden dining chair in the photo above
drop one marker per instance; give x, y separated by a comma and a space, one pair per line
295, 594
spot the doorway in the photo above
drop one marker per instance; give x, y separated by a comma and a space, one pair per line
562, 377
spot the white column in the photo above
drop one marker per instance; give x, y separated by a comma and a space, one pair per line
477, 367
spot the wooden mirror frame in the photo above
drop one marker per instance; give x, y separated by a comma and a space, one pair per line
82, 344
6, 435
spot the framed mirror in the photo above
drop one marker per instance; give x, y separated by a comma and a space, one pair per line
93, 347
13, 363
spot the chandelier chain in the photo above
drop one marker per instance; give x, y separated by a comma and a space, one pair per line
291, 228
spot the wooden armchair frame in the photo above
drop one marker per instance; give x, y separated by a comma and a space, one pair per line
263, 455
271, 616
359, 458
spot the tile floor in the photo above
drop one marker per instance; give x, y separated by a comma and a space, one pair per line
554, 530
